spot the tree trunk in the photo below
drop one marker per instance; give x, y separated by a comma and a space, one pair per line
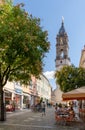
2, 105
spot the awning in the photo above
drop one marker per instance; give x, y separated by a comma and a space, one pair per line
74, 94
7, 90
25, 94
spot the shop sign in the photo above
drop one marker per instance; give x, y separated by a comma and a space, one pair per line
18, 91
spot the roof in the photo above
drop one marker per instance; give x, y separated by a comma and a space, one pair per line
62, 29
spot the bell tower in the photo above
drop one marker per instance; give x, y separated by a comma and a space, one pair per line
62, 48
62, 58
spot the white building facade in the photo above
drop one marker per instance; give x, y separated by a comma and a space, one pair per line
26, 96
44, 88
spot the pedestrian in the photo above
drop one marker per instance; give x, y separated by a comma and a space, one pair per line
43, 108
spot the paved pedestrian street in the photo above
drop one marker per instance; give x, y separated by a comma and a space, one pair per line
28, 120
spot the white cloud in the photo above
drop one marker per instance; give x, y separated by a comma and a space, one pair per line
49, 74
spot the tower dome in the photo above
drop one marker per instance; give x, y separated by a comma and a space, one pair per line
62, 29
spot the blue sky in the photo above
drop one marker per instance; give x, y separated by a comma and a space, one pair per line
50, 12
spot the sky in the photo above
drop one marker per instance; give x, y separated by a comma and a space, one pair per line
50, 12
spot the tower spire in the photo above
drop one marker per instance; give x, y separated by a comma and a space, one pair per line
62, 29
62, 20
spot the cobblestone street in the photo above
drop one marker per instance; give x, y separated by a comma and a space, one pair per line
27, 120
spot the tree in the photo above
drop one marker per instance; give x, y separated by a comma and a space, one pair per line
23, 45
70, 77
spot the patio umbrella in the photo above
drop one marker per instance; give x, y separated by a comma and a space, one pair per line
78, 93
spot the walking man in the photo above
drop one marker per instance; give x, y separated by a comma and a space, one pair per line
43, 108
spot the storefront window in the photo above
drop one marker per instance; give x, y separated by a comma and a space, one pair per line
8, 96
26, 102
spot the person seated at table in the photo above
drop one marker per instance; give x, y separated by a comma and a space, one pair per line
71, 114
66, 110
56, 107
71, 111
59, 109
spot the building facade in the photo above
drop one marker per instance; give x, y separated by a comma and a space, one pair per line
22, 96
44, 88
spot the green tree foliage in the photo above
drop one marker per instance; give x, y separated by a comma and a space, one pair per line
70, 77
23, 44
